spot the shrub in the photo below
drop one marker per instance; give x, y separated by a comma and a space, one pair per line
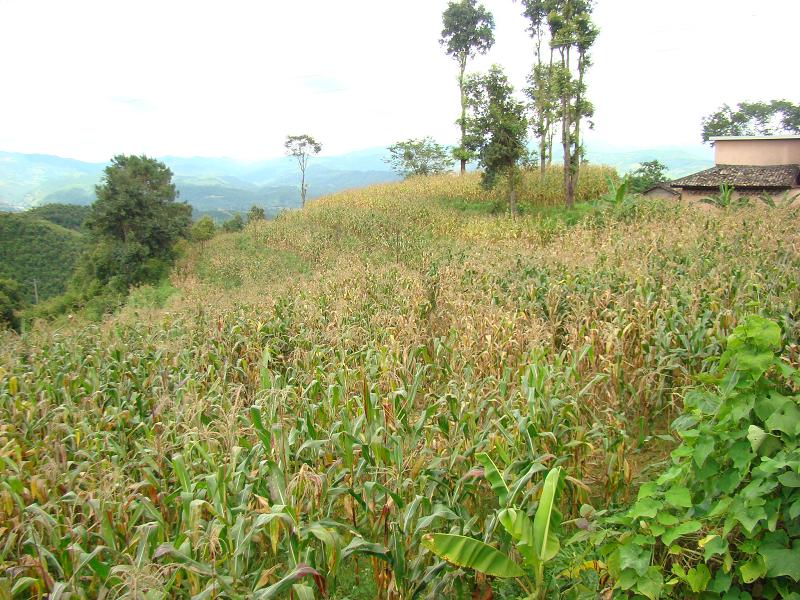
724, 519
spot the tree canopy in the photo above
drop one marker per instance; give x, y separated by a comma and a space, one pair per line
203, 229
753, 118
419, 157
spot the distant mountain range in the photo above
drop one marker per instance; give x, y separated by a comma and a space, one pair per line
222, 186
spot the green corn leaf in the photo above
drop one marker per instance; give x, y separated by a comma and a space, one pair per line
468, 552
493, 476
279, 589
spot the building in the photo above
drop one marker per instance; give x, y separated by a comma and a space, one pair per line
753, 166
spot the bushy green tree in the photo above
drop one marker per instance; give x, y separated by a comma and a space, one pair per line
256, 213
468, 30
419, 157
302, 147
753, 118
496, 130
11, 300
134, 224
235, 223
137, 206
646, 176
203, 230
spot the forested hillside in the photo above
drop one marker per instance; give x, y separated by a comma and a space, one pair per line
38, 254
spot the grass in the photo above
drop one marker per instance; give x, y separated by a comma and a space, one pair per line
314, 395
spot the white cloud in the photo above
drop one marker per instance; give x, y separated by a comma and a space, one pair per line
93, 78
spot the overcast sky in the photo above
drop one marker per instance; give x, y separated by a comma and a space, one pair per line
92, 78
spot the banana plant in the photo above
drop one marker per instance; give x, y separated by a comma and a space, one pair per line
536, 541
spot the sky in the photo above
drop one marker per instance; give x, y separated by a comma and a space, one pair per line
89, 79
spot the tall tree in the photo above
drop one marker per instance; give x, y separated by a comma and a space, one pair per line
572, 34
496, 130
753, 118
302, 147
419, 157
136, 216
468, 30
543, 103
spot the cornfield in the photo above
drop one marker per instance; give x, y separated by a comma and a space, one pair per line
311, 402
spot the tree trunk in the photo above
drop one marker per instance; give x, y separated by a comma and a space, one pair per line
302, 188
542, 156
512, 194
463, 122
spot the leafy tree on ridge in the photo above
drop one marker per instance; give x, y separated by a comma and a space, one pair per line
496, 130
468, 31
419, 157
302, 147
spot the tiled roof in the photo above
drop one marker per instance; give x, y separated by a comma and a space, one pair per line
741, 176
666, 186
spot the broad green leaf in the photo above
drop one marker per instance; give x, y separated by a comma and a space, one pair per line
545, 542
786, 420
635, 557
652, 584
712, 545
493, 475
698, 578
783, 562
474, 554
703, 447
753, 569
679, 496
520, 527
682, 529
646, 507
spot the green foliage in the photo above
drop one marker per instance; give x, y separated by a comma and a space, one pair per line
235, 223
496, 129
256, 213
753, 118
151, 296
32, 249
135, 223
725, 198
202, 230
541, 90
724, 519
419, 157
572, 35
136, 208
312, 423
468, 30
69, 216
646, 175
11, 300
535, 540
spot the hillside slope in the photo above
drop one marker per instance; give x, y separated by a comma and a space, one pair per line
34, 249
316, 398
